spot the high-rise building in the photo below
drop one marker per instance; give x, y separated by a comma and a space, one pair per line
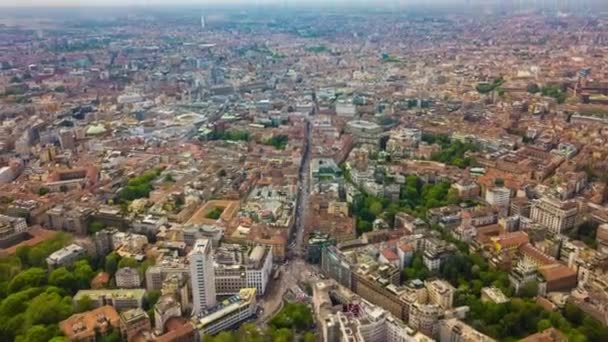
202, 276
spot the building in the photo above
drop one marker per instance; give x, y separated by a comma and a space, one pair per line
378, 289
558, 216
165, 309
12, 230
74, 220
148, 225
179, 330
191, 233
494, 295
425, 318
324, 169
66, 139
317, 241
602, 238
403, 142
202, 276
120, 299
454, 330
520, 206
258, 269
335, 266
357, 320
103, 242
346, 108
238, 267
228, 313
441, 293
498, 196
128, 277
412, 225
84, 327
155, 275
365, 132
133, 322
65, 256
521, 275
435, 253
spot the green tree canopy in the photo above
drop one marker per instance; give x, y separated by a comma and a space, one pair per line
32, 277
62, 278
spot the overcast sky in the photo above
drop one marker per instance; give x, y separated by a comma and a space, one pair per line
21, 3
72, 3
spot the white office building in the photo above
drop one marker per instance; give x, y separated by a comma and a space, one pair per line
227, 314
202, 277
499, 197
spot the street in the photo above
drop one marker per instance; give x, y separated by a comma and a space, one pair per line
295, 270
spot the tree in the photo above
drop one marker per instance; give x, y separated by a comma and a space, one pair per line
83, 274
530, 289
573, 314
152, 297
250, 333
225, 336
37, 256
32, 277
22, 253
282, 335
63, 188
111, 263
16, 303
554, 91
293, 316
453, 197
278, 141
40, 333
543, 325
62, 278
59, 339
310, 337
84, 304
416, 270
375, 208
145, 265
95, 227
49, 308
363, 226
128, 262
113, 335
43, 191
533, 88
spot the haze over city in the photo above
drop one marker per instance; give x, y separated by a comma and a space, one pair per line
303, 171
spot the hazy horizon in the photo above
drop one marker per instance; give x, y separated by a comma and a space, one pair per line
295, 3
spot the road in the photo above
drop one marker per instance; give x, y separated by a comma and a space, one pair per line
297, 237
296, 270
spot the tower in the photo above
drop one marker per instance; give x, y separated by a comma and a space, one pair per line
202, 21
202, 277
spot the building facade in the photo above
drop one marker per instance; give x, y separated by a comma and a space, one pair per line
557, 216
202, 277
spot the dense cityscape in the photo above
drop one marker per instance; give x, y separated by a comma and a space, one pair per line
259, 173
